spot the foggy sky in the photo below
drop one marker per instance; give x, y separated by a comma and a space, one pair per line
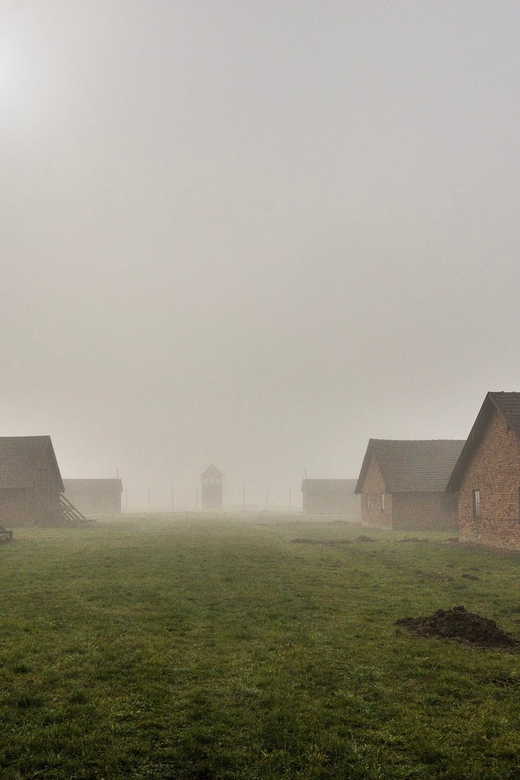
254, 233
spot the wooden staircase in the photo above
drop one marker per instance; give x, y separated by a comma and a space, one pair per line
70, 516
5, 536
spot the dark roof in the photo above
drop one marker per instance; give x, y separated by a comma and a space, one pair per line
21, 458
507, 404
211, 471
412, 466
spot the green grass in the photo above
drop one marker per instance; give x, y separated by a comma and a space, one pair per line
181, 647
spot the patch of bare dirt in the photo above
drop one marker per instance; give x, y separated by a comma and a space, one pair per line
412, 539
463, 626
326, 542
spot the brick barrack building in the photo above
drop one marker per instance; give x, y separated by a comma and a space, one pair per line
403, 484
487, 475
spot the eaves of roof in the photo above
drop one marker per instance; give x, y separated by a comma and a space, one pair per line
411, 465
508, 404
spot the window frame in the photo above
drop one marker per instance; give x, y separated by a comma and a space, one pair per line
476, 503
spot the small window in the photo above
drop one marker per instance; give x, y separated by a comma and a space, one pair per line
382, 502
476, 503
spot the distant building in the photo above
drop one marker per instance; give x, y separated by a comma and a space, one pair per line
211, 488
487, 475
331, 497
30, 481
403, 484
95, 496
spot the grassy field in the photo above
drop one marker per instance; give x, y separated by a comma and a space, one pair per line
174, 647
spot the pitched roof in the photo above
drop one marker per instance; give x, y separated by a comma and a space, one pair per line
21, 458
412, 466
507, 404
211, 471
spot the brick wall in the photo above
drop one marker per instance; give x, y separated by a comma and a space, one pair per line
495, 471
425, 511
373, 487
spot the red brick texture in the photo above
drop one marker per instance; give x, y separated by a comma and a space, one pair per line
373, 487
494, 470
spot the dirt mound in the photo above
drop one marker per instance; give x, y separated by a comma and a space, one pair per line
363, 538
464, 626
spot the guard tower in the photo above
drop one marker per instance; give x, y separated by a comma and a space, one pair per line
211, 488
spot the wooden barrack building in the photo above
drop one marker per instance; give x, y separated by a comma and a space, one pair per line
95, 496
30, 481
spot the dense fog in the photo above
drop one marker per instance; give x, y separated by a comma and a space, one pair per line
254, 234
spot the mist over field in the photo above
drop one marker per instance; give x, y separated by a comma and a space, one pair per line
254, 234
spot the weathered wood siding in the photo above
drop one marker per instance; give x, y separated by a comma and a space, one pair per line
94, 496
331, 497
